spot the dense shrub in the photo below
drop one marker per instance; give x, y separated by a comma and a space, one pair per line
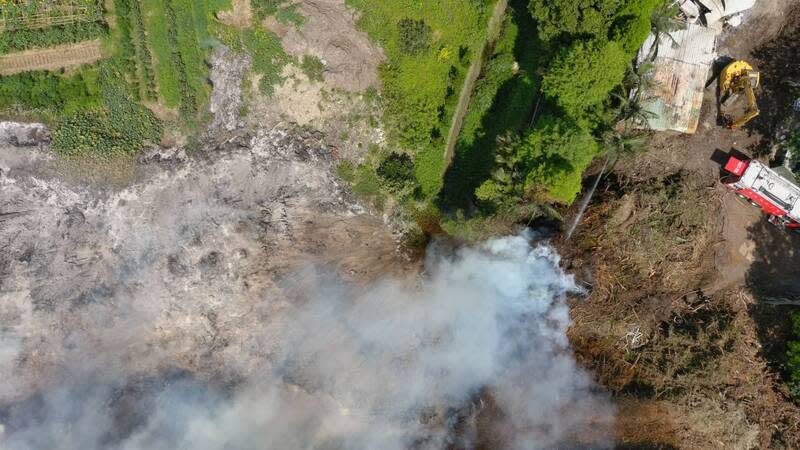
49, 91
793, 358
396, 170
414, 36
313, 67
583, 75
574, 17
551, 158
264, 8
19, 40
117, 125
106, 131
268, 57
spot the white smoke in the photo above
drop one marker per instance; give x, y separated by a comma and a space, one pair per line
178, 314
386, 366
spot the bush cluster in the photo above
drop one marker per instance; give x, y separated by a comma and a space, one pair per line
49, 91
397, 170
414, 36
793, 358
115, 126
19, 40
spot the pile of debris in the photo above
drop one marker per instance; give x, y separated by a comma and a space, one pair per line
715, 14
682, 62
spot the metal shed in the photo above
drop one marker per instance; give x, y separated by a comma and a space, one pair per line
681, 71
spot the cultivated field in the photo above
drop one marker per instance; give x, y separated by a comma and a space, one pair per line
53, 58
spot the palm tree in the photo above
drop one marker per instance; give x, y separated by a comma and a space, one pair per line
663, 22
508, 170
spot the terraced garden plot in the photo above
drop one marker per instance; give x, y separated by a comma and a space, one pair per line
35, 14
53, 58
173, 35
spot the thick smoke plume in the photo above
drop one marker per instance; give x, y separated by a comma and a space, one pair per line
387, 366
166, 317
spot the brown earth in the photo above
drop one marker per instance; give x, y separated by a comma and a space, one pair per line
52, 58
240, 15
330, 33
681, 323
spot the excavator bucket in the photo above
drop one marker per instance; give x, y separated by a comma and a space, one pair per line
738, 78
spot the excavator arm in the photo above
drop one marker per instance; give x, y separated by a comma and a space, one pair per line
752, 105
736, 78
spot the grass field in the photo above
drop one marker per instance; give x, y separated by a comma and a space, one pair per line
427, 61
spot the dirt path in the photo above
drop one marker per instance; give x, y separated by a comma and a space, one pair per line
58, 57
493, 29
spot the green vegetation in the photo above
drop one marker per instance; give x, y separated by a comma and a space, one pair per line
12, 41
45, 23
283, 11
313, 68
552, 156
117, 126
583, 51
503, 102
582, 75
157, 53
793, 358
51, 93
553, 91
414, 36
268, 57
288, 15
429, 45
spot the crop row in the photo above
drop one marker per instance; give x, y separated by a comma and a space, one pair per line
133, 49
47, 13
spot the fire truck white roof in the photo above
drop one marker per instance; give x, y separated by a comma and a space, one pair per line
779, 190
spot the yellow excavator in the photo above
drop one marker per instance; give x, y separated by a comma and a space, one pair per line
736, 78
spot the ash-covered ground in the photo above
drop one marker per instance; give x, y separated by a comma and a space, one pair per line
239, 297
241, 300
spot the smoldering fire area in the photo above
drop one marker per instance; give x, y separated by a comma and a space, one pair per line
205, 307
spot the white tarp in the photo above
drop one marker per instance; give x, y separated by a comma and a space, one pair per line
724, 8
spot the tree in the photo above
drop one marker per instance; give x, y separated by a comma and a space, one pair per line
664, 22
549, 161
633, 24
583, 75
574, 17
507, 182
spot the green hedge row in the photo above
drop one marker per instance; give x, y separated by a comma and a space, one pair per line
20, 40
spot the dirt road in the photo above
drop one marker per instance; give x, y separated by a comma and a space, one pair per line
52, 58
492, 32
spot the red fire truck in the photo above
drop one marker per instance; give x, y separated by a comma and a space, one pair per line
774, 190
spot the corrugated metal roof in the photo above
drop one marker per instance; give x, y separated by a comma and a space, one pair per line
681, 71
724, 8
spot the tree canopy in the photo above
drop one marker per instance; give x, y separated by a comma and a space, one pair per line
583, 75
577, 17
551, 159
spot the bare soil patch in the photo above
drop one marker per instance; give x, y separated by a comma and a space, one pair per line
240, 15
52, 58
330, 33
